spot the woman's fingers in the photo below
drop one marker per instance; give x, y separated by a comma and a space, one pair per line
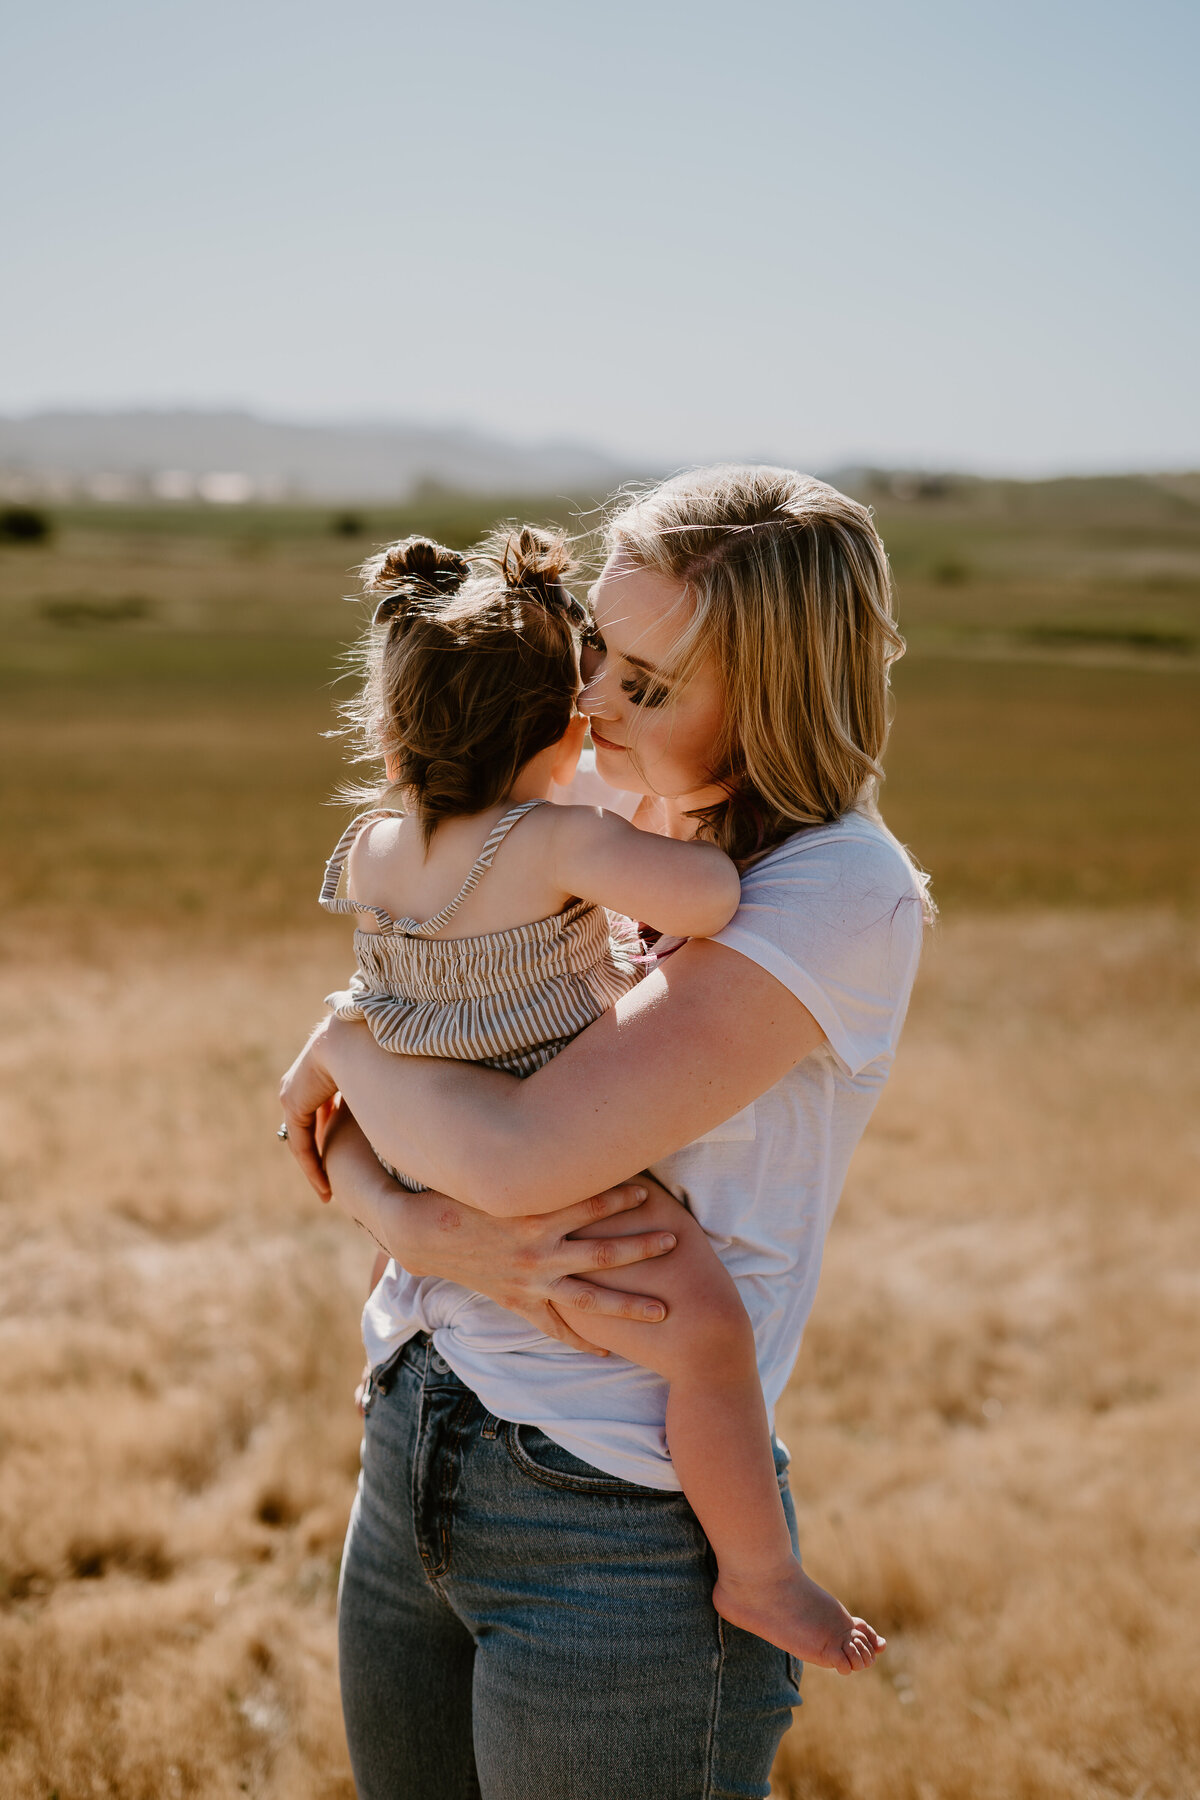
304, 1090
573, 1296
325, 1115
302, 1142
600, 1206
578, 1255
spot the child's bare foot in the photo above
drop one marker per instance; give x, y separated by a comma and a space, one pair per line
793, 1612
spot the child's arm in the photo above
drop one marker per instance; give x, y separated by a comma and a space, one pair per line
685, 890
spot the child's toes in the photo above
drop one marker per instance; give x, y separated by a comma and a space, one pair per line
860, 1649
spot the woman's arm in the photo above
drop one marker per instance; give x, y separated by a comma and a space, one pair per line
691, 1045
531, 1266
684, 889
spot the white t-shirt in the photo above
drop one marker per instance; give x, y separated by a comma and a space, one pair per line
834, 913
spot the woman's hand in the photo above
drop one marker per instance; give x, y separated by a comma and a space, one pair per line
305, 1094
531, 1266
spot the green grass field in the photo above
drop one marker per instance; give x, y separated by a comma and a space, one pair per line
167, 674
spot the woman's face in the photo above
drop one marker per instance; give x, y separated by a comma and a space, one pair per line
649, 738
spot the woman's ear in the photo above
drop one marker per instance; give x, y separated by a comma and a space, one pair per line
569, 749
391, 768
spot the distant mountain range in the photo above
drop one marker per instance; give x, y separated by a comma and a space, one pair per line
236, 456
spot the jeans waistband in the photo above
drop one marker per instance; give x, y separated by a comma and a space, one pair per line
419, 1355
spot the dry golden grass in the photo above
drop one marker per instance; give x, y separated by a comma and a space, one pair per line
176, 1448
992, 1420
995, 1411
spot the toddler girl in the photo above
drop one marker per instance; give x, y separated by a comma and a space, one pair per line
495, 927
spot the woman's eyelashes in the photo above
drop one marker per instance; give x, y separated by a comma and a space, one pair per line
644, 693
640, 693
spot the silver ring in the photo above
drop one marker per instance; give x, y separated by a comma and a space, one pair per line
282, 1133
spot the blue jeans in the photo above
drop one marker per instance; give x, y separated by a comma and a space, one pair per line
514, 1624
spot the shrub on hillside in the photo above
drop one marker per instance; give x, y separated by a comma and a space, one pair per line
23, 525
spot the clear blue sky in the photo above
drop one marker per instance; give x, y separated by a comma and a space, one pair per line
940, 234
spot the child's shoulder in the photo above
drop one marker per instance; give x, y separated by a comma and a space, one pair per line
382, 843
569, 815
572, 823
382, 836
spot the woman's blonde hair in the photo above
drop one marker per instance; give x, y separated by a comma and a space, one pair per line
468, 668
791, 597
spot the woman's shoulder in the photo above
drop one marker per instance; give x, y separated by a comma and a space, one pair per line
836, 913
844, 897
856, 853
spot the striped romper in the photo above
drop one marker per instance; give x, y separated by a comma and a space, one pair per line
511, 999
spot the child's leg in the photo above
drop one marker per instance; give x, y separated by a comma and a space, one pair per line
717, 1431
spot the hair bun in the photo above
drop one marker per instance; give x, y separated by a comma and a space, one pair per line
414, 569
536, 563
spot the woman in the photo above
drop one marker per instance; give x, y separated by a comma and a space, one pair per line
525, 1604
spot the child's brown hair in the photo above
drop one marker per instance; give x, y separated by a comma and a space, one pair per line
470, 667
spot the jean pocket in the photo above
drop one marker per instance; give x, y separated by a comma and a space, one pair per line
539, 1457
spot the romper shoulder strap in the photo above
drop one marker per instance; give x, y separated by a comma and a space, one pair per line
329, 897
479, 868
